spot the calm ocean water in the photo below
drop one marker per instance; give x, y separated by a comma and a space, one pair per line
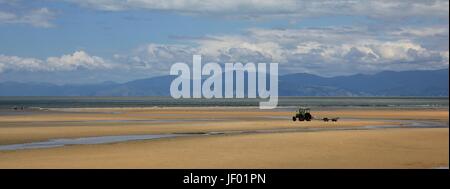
72, 102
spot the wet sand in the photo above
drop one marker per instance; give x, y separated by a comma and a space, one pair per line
382, 148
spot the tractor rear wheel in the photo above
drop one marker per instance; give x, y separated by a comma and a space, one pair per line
301, 118
308, 117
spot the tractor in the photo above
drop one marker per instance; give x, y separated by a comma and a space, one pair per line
302, 114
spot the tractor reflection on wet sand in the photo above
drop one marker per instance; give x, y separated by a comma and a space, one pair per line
302, 115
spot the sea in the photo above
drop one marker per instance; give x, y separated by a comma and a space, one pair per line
152, 101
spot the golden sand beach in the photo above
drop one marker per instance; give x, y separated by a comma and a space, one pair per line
250, 138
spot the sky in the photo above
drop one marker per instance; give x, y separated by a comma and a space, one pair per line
93, 41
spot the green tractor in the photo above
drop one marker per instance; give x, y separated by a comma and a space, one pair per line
302, 115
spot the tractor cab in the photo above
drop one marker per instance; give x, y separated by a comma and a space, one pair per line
303, 110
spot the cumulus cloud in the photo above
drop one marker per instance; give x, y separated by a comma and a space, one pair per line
154, 58
20, 63
40, 17
77, 60
297, 8
324, 51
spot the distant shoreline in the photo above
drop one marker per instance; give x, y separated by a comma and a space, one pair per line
157, 102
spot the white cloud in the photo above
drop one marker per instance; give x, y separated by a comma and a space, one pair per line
324, 51
20, 63
193, 6
70, 62
297, 8
37, 17
428, 31
7, 17
154, 58
78, 59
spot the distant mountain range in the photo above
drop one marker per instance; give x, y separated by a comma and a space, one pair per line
388, 83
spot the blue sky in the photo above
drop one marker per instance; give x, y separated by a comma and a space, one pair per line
90, 41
